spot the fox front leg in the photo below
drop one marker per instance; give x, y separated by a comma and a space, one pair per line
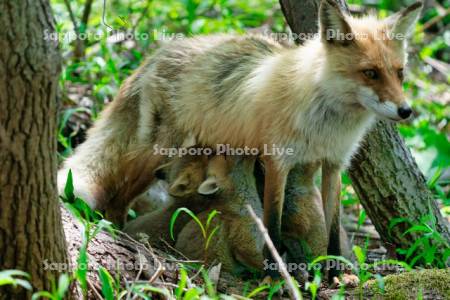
274, 185
331, 187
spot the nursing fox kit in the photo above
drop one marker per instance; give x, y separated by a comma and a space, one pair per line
318, 99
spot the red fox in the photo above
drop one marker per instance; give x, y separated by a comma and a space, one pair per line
317, 99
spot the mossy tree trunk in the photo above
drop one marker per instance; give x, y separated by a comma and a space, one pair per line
31, 232
384, 173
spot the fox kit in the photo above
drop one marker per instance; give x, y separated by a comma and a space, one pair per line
231, 186
184, 176
317, 100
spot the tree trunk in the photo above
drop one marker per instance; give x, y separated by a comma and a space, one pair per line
30, 222
384, 173
390, 185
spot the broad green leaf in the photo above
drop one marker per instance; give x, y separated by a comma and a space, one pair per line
359, 253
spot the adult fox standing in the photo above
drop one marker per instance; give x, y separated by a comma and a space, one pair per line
317, 99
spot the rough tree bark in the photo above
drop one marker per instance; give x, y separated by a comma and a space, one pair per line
30, 222
384, 173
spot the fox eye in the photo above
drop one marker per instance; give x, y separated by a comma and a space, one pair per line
400, 74
371, 74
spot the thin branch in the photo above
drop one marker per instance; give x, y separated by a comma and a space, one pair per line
94, 289
293, 289
104, 16
160, 270
86, 13
71, 15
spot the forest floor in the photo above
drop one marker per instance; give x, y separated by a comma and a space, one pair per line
135, 263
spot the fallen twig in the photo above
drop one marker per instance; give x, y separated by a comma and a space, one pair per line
293, 289
94, 289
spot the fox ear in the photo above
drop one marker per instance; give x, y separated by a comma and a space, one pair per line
208, 187
402, 23
334, 28
180, 186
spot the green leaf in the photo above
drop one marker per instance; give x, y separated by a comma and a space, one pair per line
42, 294
415, 259
149, 288
416, 228
63, 286
395, 221
10, 273
435, 178
104, 224
258, 290
81, 271
211, 216
213, 232
107, 283
362, 218
413, 247
275, 288
68, 188
209, 284
8, 277
430, 255
359, 253
181, 284
192, 294
191, 214
66, 116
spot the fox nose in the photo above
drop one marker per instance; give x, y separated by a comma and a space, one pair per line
404, 112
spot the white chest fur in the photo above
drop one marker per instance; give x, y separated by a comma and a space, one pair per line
327, 132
